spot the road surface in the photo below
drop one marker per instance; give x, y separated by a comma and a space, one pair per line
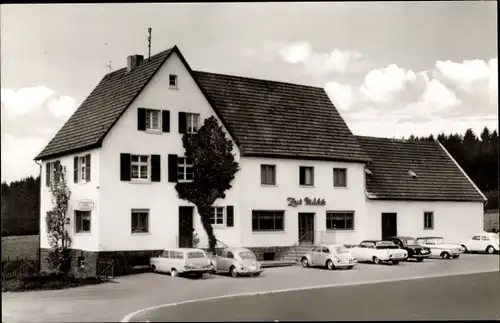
463, 297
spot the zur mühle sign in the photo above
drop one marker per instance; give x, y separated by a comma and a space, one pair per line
307, 201
85, 205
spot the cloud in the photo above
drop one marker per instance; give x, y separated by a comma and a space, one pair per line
62, 106
469, 73
24, 100
296, 52
383, 85
438, 96
340, 94
17, 156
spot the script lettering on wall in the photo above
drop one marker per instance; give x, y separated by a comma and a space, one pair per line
306, 201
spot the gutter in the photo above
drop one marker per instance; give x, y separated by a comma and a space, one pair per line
39, 256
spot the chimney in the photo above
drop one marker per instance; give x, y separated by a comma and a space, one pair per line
133, 61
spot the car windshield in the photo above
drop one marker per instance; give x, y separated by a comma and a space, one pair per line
341, 249
247, 255
411, 242
436, 241
196, 254
385, 245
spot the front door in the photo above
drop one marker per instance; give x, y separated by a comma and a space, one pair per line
186, 227
306, 228
389, 225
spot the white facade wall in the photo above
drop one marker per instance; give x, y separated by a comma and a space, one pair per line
454, 221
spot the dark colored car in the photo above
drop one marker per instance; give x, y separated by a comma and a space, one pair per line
409, 244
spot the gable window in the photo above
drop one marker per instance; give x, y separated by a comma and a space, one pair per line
153, 119
340, 220
217, 216
306, 175
268, 174
172, 80
268, 220
193, 122
184, 169
82, 221
340, 177
139, 167
428, 220
140, 221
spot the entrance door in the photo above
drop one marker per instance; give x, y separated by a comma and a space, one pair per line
186, 227
389, 225
306, 228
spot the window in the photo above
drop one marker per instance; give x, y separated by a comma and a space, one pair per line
217, 216
153, 119
340, 177
172, 80
476, 238
140, 221
485, 238
184, 169
325, 250
306, 176
268, 174
193, 122
139, 167
428, 220
339, 220
230, 255
50, 169
268, 220
82, 221
165, 254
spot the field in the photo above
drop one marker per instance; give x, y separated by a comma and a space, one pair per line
20, 247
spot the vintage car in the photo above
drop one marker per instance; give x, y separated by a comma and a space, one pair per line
414, 250
181, 261
236, 262
440, 249
329, 256
378, 251
482, 242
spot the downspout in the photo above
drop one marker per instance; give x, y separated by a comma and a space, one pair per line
39, 219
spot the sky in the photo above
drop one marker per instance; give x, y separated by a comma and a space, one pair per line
391, 69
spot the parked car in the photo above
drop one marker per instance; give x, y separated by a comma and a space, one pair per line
329, 256
411, 246
482, 242
237, 261
440, 249
181, 261
378, 251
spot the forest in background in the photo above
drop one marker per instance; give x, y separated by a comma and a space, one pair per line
477, 155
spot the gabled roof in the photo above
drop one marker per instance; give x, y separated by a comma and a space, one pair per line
439, 178
265, 118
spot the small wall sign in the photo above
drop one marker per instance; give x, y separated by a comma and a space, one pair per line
85, 205
307, 201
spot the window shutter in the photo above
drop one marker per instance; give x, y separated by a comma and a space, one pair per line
141, 119
165, 121
172, 168
75, 169
230, 216
155, 168
182, 122
57, 166
302, 176
87, 167
125, 167
47, 174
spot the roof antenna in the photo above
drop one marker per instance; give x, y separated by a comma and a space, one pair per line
149, 43
109, 65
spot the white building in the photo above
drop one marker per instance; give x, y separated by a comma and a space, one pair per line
304, 175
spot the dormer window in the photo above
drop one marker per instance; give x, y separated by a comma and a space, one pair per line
172, 81
412, 174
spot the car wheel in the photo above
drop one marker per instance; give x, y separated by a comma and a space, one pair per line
350, 267
420, 259
465, 248
376, 261
174, 272
490, 250
395, 262
445, 255
153, 268
233, 271
455, 257
198, 275
256, 274
305, 262
329, 265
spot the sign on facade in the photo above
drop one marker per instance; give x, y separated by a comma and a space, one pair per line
85, 205
306, 201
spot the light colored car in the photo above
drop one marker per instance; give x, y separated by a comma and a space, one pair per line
236, 262
482, 242
329, 256
181, 261
439, 248
378, 251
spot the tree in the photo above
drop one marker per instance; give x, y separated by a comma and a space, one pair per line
214, 168
57, 220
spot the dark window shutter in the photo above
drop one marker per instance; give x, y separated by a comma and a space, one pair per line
230, 216
75, 170
165, 121
125, 167
182, 122
155, 168
87, 167
172, 168
141, 119
302, 175
47, 174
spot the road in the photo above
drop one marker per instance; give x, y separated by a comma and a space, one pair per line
463, 297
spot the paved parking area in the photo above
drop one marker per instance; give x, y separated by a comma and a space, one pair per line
112, 301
